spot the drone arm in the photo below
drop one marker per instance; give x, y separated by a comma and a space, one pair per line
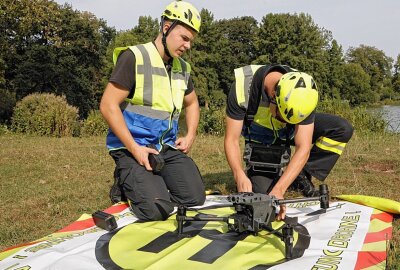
224, 219
279, 202
323, 198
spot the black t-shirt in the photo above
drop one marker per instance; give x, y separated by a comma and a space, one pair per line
235, 111
124, 73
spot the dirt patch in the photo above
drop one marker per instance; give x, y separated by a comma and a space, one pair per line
379, 167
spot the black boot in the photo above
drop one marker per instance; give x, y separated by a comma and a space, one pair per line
116, 192
303, 184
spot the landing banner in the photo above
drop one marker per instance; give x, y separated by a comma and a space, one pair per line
346, 236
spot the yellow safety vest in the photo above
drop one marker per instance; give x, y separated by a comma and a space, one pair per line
265, 128
152, 113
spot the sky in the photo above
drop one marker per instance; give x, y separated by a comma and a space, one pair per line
352, 22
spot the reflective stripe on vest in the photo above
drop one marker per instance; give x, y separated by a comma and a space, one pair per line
263, 117
152, 113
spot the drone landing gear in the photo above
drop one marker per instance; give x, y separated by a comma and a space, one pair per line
286, 237
255, 212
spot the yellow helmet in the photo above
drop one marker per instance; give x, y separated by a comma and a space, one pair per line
296, 96
183, 12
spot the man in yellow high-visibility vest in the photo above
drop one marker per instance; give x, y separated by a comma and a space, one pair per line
273, 107
148, 88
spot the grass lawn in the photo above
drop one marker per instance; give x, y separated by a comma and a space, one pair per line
47, 183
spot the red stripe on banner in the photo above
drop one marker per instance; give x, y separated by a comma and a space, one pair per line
383, 235
87, 223
78, 225
116, 208
367, 259
385, 217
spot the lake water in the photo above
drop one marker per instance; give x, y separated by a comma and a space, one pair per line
391, 114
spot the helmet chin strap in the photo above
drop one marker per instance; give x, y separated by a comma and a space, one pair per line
164, 36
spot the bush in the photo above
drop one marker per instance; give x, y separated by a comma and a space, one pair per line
212, 121
359, 117
94, 125
45, 114
4, 130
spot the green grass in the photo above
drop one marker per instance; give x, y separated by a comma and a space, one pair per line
47, 183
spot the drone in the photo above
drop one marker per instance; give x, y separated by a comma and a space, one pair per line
255, 212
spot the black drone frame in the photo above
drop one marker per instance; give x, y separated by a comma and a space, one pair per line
255, 212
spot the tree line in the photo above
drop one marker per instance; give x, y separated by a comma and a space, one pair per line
52, 48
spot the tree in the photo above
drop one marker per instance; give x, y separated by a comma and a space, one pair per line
356, 85
52, 48
295, 40
235, 47
203, 59
335, 77
376, 64
146, 30
396, 77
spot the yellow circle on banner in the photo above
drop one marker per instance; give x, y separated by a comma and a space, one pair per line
203, 245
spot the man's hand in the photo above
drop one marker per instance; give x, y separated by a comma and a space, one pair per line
184, 143
243, 183
279, 195
141, 154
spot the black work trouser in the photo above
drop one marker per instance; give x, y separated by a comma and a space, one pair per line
150, 194
331, 133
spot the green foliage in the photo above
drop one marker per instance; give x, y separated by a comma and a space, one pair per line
290, 39
45, 114
94, 125
356, 87
146, 30
203, 60
396, 78
55, 49
4, 130
295, 40
46, 47
335, 76
377, 65
212, 121
235, 47
359, 117
220, 47
7, 103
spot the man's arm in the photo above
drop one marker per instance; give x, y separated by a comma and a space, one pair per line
113, 96
192, 116
303, 144
233, 154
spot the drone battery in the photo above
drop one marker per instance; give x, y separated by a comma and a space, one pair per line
104, 220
